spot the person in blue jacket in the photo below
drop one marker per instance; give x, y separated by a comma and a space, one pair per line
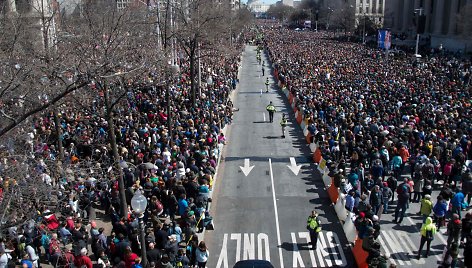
457, 202
439, 211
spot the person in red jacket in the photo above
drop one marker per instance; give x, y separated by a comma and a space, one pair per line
83, 259
130, 257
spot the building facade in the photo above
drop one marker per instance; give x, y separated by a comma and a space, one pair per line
258, 7
40, 18
442, 22
372, 9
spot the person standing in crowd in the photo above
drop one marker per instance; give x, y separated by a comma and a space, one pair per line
314, 228
457, 202
376, 199
439, 211
454, 228
271, 109
403, 196
283, 124
428, 231
426, 207
202, 254
386, 195
450, 256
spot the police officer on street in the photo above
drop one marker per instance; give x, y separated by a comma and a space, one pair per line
283, 124
267, 84
271, 109
314, 227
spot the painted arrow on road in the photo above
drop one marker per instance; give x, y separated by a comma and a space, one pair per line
293, 166
246, 169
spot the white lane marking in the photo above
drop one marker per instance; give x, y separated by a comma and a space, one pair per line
341, 252
277, 226
297, 260
223, 259
264, 237
263, 114
237, 237
444, 242
386, 249
410, 246
249, 252
394, 248
306, 235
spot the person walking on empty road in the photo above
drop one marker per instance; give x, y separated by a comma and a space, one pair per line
271, 109
314, 227
283, 124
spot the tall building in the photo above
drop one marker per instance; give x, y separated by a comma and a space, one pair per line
442, 22
258, 7
372, 9
39, 15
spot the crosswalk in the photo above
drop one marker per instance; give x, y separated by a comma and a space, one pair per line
402, 247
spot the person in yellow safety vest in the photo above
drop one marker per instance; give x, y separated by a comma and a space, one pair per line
314, 227
428, 230
267, 84
271, 109
283, 124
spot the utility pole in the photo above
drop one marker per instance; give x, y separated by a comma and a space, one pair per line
420, 10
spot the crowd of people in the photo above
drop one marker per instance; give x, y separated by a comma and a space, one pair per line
173, 168
388, 127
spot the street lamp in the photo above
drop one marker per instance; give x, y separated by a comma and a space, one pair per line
330, 10
139, 204
420, 10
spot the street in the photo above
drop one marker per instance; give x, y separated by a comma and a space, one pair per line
263, 215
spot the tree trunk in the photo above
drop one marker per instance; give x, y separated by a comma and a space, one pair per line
59, 135
192, 76
169, 118
116, 156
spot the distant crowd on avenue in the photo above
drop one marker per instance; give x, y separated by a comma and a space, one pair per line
173, 168
393, 131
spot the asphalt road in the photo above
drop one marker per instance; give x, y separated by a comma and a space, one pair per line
263, 215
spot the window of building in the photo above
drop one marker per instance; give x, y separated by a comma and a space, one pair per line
380, 7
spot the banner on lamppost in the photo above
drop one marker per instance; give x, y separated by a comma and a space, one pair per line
307, 24
384, 40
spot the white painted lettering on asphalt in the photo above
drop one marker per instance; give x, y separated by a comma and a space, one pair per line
223, 259
248, 249
249, 252
263, 238
237, 237
328, 249
306, 236
297, 258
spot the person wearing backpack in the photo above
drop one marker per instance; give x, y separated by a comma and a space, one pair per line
403, 195
428, 230
439, 211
